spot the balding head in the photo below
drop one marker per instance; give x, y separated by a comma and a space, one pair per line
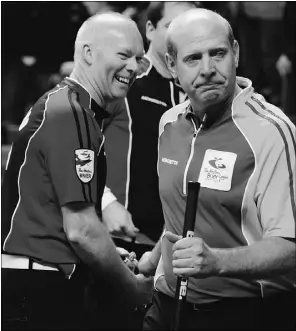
198, 18
203, 56
98, 29
108, 52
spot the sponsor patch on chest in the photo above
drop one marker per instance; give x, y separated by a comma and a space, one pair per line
84, 163
217, 170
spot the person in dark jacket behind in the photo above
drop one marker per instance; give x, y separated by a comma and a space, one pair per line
131, 131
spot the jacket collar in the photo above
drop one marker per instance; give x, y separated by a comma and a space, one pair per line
246, 89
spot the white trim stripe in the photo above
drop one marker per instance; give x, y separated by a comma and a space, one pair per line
172, 94
147, 71
248, 240
128, 159
25, 159
74, 267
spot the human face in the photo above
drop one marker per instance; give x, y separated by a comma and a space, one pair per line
116, 62
206, 63
156, 35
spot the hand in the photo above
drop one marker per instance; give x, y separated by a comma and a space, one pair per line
122, 252
145, 289
146, 266
118, 220
192, 257
284, 65
131, 261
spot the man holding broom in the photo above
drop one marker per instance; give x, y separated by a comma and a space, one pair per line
242, 152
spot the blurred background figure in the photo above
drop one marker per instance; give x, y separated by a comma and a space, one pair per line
131, 131
286, 61
259, 30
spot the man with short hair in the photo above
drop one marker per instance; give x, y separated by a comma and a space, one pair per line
55, 246
131, 132
241, 150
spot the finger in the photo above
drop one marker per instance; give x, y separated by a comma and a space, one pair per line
130, 232
122, 252
131, 264
184, 263
189, 242
184, 253
117, 232
173, 238
184, 272
130, 229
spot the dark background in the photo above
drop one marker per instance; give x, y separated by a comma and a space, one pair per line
46, 31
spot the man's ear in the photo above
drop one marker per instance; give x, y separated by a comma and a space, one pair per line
171, 64
87, 54
235, 49
149, 30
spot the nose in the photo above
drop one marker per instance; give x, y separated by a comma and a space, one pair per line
132, 65
207, 67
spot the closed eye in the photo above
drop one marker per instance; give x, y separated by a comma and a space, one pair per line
123, 55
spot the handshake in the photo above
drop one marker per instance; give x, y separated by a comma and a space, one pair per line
144, 280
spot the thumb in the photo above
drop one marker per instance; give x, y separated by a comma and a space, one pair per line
130, 230
172, 237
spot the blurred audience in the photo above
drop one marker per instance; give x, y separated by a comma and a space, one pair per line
259, 26
286, 61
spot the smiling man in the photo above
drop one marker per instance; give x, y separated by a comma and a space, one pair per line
107, 56
241, 149
55, 246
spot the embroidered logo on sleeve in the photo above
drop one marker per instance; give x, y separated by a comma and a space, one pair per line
217, 170
84, 162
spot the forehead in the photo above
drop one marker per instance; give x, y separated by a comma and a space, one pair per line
200, 36
172, 9
126, 37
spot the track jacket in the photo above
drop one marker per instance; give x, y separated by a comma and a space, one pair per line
245, 163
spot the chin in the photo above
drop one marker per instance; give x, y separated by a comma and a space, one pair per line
120, 95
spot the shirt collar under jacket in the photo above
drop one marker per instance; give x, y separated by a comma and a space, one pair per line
85, 99
246, 88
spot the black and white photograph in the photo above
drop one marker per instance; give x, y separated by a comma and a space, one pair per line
148, 165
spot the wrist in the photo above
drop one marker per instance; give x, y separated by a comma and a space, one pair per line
219, 261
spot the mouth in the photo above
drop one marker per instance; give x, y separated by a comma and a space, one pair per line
123, 80
208, 86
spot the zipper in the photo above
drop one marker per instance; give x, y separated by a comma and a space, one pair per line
196, 132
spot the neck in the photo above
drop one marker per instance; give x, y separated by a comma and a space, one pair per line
89, 84
158, 63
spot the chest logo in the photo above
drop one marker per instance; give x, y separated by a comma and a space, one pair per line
84, 163
165, 160
217, 170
